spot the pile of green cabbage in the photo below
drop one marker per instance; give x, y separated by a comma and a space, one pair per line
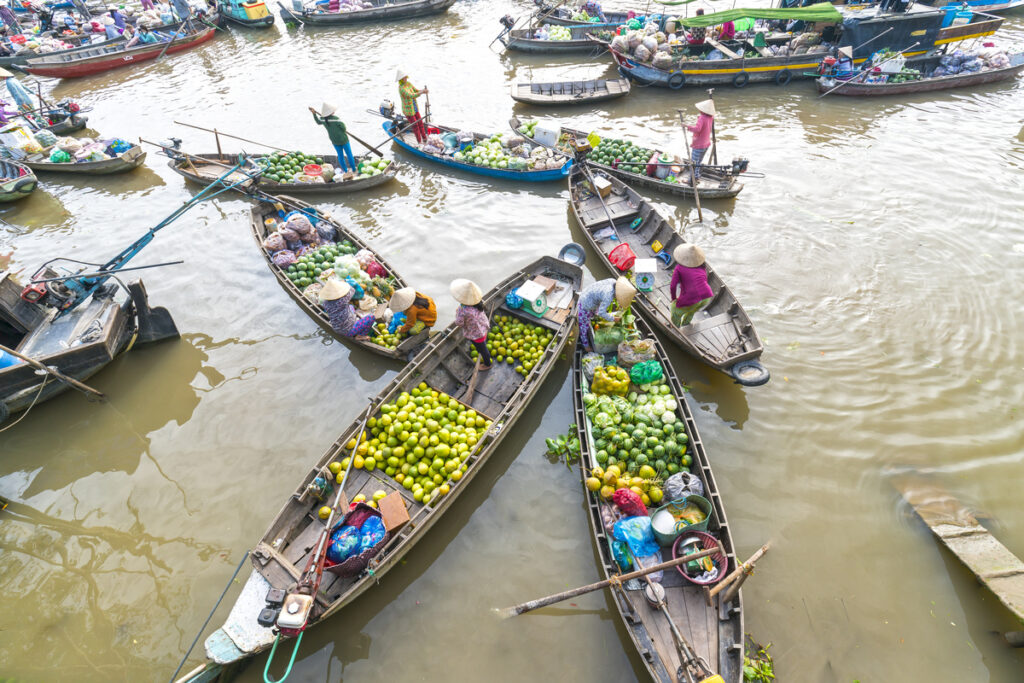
490, 153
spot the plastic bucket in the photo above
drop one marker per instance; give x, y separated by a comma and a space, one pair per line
312, 170
7, 360
667, 536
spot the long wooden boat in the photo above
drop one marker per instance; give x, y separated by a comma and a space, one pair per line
123, 162
715, 181
859, 88
716, 630
71, 124
247, 14
78, 344
570, 92
264, 211
562, 16
100, 59
523, 40
721, 335
191, 167
382, 10
500, 396
407, 141
17, 181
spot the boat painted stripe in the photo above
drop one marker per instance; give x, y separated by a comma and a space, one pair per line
810, 65
957, 39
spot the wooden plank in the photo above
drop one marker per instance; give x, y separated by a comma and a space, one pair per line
760, 50
718, 46
959, 530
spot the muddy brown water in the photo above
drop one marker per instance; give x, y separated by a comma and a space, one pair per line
880, 258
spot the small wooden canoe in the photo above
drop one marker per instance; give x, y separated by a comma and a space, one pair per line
562, 16
858, 88
316, 14
71, 124
500, 396
123, 162
407, 141
191, 167
17, 181
264, 211
721, 335
524, 40
715, 631
715, 182
105, 58
570, 92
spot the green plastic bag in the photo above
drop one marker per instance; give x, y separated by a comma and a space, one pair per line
59, 156
607, 339
646, 372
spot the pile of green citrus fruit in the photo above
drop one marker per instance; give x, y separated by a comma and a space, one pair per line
381, 336
308, 266
282, 167
513, 341
422, 440
621, 153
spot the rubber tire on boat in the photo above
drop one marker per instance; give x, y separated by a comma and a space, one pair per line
740, 79
673, 83
783, 77
750, 373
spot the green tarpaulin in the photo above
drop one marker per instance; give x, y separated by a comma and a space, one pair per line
823, 11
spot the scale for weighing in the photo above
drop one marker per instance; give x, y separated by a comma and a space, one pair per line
535, 298
644, 270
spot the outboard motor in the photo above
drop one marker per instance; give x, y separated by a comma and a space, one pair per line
387, 109
739, 165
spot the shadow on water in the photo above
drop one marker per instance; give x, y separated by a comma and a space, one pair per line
40, 210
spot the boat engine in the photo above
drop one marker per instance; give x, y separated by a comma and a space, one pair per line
739, 165
55, 294
387, 109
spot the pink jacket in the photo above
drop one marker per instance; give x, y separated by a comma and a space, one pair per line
701, 132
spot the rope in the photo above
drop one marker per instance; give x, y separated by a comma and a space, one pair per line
205, 623
295, 650
39, 393
615, 581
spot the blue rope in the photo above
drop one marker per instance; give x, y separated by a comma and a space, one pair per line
295, 651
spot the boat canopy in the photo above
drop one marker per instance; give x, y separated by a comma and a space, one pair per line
822, 11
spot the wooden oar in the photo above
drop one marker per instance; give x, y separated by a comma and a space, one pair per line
228, 135
366, 145
468, 397
173, 38
693, 167
71, 381
617, 579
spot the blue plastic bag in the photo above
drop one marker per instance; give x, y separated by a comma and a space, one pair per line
636, 533
356, 288
397, 320
621, 555
371, 533
344, 544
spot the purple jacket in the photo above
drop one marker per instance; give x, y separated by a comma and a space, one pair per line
689, 285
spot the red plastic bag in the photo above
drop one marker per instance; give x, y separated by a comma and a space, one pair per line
374, 269
630, 503
622, 257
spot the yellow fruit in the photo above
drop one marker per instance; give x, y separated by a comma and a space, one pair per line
351, 444
646, 499
334, 467
344, 463
597, 472
443, 489
656, 495
372, 503
340, 479
325, 512
637, 490
593, 483
456, 475
378, 494
647, 472
610, 477
358, 462
359, 499
607, 491
363, 447
615, 469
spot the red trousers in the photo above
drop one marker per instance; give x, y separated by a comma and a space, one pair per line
417, 127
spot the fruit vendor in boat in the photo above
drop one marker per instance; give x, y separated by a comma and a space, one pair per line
337, 133
471, 318
408, 93
701, 131
689, 288
419, 309
336, 299
597, 299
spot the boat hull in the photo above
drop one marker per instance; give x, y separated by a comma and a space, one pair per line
20, 182
122, 163
607, 90
183, 169
407, 10
924, 85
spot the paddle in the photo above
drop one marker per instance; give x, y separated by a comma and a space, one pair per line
173, 38
228, 135
714, 136
366, 145
693, 167
863, 74
741, 572
618, 579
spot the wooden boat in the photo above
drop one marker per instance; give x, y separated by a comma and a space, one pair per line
562, 16
191, 166
382, 10
16, 181
248, 14
501, 395
407, 141
715, 182
859, 88
721, 335
123, 162
715, 630
71, 124
78, 344
570, 92
523, 40
264, 211
99, 59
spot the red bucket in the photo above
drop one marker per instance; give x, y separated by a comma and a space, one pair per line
622, 257
312, 170
708, 542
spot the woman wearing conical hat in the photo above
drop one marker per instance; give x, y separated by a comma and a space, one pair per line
597, 299
689, 288
420, 311
336, 298
337, 133
471, 318
701, 135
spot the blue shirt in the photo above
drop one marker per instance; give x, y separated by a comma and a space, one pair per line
112, 32
598, 297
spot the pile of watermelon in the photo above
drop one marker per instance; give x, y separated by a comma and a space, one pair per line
622, 154
282, 167
310, 265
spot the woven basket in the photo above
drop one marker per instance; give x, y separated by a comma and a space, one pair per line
354, 565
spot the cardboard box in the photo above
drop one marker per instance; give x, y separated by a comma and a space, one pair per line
393, 511
603, 186
547, 283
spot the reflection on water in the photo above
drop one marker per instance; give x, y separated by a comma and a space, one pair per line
879, 258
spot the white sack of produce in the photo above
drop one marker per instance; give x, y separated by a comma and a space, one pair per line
620, 44
662, 60
650, 43
634, 38
642, 53
71, 145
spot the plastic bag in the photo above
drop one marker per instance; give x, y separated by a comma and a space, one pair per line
274, 242
591, 362
662, 60
650, 561
397, 320
371, 533
646, 372
71, 145
312, 292
620, 552
300, 224
636, 533
630, 503
642, 53
284, 258
367, 303
650, 43
607, 338
681, 485
327, 232
46, 138
344, 544
636, 351
118, 146
59, 156
364, 256
288, 234
611, 379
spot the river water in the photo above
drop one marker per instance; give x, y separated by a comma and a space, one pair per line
880, 258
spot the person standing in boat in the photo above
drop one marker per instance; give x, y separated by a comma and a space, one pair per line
471, 318
697, 34
689, 288
420, 310
597, 299
337, 133
18, 93
119, 20
182, 9
701, 131
110, 29
336, 298
408, 94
